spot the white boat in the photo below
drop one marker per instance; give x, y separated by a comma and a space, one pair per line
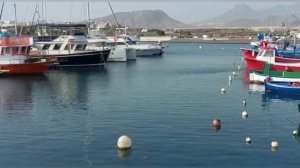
120, 52
141, 49
255, 77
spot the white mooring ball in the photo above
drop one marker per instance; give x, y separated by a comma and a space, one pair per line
248, 140
124, 142
244, 114
274, 144
295, 132
223, 90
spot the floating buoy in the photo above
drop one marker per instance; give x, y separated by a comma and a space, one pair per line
229, 78
295, 132
223, 90
244, 114
233, 73
200, 47
124, 142
248, 140
217, 124
274, 144
238, 67
244, 103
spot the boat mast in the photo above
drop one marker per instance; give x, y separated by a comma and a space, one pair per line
88, 15
113, 14
15, 8
1, 10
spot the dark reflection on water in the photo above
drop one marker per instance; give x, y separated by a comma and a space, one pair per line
16, 91
268, 96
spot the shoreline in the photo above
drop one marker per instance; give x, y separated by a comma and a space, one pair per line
198, 40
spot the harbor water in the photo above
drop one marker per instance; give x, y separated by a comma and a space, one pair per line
166, 104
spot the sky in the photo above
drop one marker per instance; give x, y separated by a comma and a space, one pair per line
72, 11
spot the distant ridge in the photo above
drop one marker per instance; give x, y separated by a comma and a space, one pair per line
154, 19
243, 15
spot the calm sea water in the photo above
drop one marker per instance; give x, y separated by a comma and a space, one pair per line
165, 104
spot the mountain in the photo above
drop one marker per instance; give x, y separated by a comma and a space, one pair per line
241, 11
243, 15
154, 19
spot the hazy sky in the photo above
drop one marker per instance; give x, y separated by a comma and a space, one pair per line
187, 12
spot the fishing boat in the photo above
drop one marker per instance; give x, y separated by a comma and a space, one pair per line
14, 57
268, 55
282, 87
70, 51
284, 76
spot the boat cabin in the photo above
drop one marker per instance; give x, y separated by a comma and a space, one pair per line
63, 45
15, 45
267, 54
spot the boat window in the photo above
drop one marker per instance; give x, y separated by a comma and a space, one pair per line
8, 50
120, 43
23, 50
94, 44
268, 53
78, 47
67, 47
15, 50
56, 46
46, 47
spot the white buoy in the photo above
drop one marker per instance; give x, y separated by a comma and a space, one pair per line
274, 144
233, 73
124, 142
238, 67
244, 103
244, 114
200, 47
248, 140
223, 90
295, 133
229, 78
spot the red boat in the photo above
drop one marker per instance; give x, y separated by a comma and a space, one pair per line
251, 53
268, 55
14, 56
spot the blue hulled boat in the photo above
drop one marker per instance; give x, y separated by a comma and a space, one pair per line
283, 87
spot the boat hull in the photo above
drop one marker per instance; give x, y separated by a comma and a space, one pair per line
149, 52
257, 77
26, 68
92, 58
282, 87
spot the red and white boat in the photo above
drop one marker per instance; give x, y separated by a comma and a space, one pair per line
265, 45
268, 55
14, 56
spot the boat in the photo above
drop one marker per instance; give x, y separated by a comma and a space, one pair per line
282, 87
267, 55
70, 51
14, 57
284, 76
120, 52
141, 49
